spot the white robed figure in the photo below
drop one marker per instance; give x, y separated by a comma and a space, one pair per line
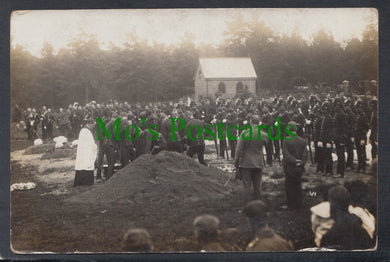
85, 158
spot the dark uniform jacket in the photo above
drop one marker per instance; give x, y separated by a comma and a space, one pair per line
267, 240
326, 135
361, 127
340, 131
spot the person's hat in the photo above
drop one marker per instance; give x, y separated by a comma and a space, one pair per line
188, 114
340, 196
136, 239
255, 208
292, 123
206, 224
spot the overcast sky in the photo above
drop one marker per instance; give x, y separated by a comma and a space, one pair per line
32, 29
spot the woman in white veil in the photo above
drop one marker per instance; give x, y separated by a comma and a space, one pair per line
85, 158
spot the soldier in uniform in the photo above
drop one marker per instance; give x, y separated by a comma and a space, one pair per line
318, 146
326, 137
221, 132
43, 122
233, 132
361, 129
109, 146
62, 122
350, 126
75, 120
32, 120
206, 230
340, 137
49, 119
264, 238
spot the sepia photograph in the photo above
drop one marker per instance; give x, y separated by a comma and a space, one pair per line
193, 130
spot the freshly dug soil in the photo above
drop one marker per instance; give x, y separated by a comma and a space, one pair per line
160, 179
39, 149
60, 153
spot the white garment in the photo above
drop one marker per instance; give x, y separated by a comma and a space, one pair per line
60, 140
86, 151
38, 142
321, 221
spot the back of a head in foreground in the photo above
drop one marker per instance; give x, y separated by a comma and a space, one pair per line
136, 240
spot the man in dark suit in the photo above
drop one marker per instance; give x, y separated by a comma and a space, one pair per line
166, 130
294, 159
250, 160
195, 138
265, 238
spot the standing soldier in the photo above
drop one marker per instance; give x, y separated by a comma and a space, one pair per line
340, 137
62, 122
233, 132
318, 146
32, 121
350, 126
298, 118
326, 139
74, 120
221, 133
49, 118
43, 121
361, 130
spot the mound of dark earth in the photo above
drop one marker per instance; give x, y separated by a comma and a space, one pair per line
60, 153
166, 178
39, 149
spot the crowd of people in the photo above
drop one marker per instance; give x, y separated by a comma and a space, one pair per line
323, 124
327, 123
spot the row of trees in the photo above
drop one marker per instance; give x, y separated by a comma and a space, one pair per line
81, 71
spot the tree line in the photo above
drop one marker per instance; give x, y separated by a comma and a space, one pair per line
140, 71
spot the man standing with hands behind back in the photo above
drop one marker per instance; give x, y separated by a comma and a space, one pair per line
249, 160
294, 159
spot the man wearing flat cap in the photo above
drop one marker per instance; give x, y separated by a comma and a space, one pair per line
206, 229
264, 239
294, 159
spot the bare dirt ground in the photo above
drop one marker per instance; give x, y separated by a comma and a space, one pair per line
45, 220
